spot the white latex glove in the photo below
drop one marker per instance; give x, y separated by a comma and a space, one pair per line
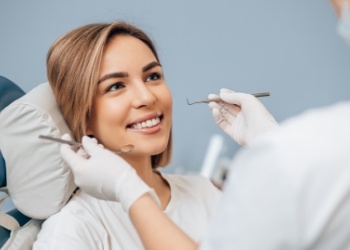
103, 174
242, 116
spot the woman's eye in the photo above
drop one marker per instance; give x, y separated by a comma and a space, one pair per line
153, 77
115, 86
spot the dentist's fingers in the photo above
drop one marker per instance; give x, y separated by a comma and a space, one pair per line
90, 145
228, 113
224, 90
214, 105
238, 98
71, 157
213, 97
220, 120
81, 151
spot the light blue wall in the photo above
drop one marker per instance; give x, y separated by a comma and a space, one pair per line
289, 48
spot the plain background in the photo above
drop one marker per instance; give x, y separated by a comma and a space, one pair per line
287, 47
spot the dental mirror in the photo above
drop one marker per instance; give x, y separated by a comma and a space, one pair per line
125, 149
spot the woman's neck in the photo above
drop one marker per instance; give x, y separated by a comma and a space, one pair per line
152, 178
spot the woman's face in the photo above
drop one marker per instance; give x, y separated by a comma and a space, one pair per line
133, 104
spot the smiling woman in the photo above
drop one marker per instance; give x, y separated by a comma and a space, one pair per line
131, 98
109, 84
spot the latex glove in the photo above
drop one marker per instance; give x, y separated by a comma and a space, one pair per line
242, 116
103, 174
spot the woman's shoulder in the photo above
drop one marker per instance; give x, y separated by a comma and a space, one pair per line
89, 223
77, 217
76, 212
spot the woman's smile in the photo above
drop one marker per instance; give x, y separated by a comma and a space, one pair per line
147, 124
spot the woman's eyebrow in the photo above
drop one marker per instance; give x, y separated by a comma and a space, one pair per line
150, 66
124, 74
113, 75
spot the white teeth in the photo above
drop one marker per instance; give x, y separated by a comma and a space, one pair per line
146, 124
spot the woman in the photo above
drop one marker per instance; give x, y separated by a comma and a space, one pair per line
109, 84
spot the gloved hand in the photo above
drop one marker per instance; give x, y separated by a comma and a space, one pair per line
242, 116
103, 174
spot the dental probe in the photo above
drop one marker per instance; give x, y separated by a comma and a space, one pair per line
125, 149
72, 143
211, 100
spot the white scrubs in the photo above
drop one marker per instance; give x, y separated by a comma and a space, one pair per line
290, 189
89, 223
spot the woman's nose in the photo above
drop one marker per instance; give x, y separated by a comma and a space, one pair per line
142, 96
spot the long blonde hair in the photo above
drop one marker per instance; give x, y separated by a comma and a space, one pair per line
73, 63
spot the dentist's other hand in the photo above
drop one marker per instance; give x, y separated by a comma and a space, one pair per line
103, 174
242, 116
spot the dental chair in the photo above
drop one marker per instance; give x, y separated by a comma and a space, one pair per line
32, 172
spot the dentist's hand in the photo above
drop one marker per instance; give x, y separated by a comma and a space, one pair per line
103, 174
242, 116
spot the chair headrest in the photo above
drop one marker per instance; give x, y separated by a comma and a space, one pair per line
38, 180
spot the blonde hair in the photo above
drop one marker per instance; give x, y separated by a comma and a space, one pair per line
73, 64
